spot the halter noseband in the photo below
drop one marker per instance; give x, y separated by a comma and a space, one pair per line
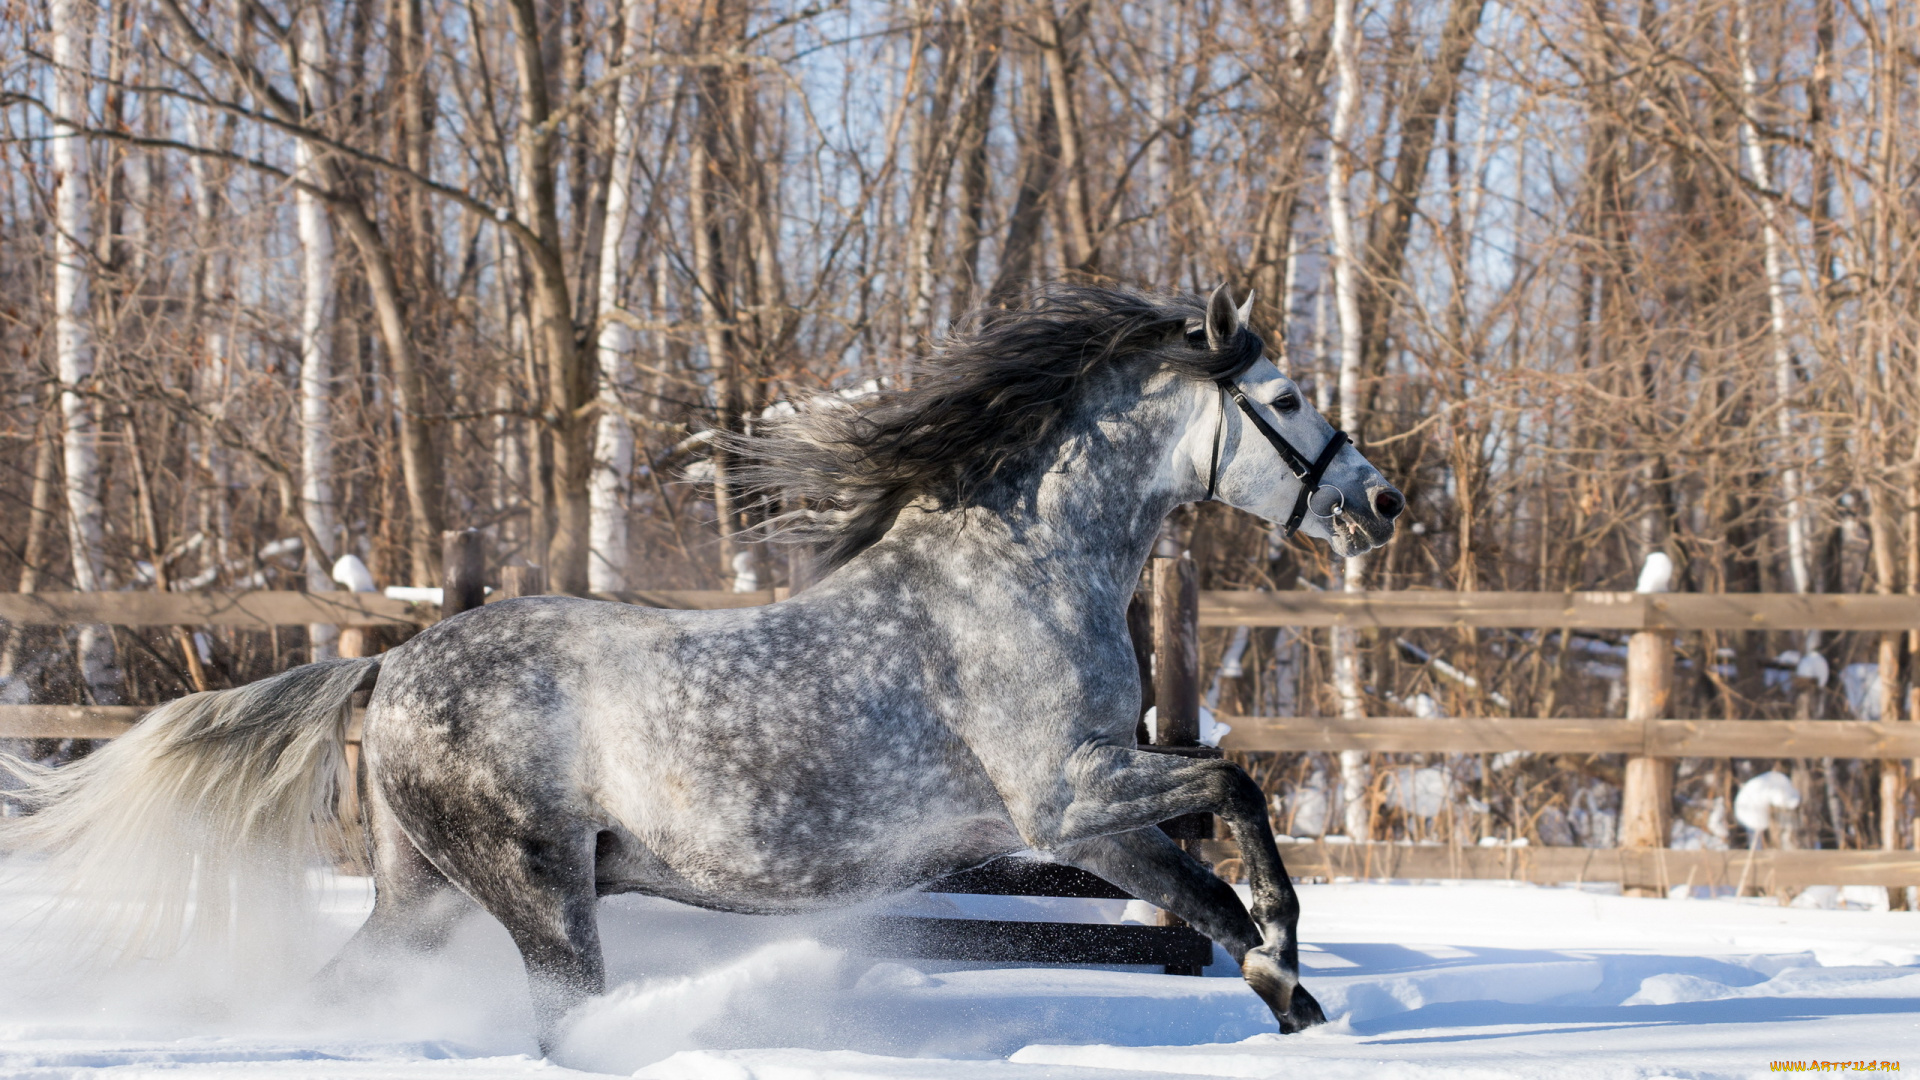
1309, 473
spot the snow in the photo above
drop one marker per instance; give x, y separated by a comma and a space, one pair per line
1211, 729
1813, 668
1760, 796
1656, 574
349, 571
1453, 980
1422, 792
1860, 684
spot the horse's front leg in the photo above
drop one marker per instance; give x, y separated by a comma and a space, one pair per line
1113, 791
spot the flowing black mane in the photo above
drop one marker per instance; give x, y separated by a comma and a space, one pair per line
996, 392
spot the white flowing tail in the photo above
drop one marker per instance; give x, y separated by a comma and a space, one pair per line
211, 810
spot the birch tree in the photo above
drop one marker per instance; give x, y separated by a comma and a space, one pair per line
316, 327
71, 22
1346, 288
613, 435
1799, 564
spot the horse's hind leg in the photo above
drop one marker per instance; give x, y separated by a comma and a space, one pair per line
1147, 864
536, 879
415, 907
547, 901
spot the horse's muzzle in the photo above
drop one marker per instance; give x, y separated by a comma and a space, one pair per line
1367, 523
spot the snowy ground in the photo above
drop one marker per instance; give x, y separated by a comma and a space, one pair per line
1457, 981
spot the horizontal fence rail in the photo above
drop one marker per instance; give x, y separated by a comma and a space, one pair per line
266, 608
69, 721
1650, 738
262, 609
1644, 867
92, 721
1551, 611
1398, 734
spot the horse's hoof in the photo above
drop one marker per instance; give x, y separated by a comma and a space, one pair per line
1302, 1012
1292, 1006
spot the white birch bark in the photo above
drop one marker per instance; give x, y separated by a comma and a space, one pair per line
316, 360
609, 488
1160, 110
73, 337
1798, 562
513, 472
210, 378
1345, 641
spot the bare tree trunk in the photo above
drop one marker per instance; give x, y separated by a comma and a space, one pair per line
1056, 45
420, 465
316, 360
935, 136
613, 435
710, 300
1276, 258
1391, 231
1345, 641
210, 315
568, 372
73, 339
39, 536
983, 32
1040, 161
1799, 563
415, 99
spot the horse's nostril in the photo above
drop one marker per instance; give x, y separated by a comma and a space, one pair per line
1389, 503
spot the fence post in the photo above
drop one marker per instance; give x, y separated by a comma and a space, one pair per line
522, 581
1646, 799
1176, 650
358, 641
1176, 690
1893, 772
1140, 630
463, 551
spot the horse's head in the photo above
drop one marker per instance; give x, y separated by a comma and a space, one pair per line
1256, 443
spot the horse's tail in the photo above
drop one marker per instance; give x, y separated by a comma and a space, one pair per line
208, 813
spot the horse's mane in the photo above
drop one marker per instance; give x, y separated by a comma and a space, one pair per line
998, 390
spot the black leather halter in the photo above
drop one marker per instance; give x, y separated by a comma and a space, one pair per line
1309, 473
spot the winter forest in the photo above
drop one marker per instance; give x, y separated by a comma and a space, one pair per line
286, 280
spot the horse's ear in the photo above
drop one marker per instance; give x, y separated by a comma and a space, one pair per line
1245, 312
1223, 319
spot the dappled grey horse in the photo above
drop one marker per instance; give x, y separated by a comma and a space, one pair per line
959, 686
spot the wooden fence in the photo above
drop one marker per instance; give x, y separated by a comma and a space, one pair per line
1516, 610
1648, 738
1644, 738
1649, 868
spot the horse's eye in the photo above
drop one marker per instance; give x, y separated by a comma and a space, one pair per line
1288, 402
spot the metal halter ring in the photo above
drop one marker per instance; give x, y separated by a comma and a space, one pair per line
1324, 508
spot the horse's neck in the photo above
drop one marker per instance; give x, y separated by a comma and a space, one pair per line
1084, 525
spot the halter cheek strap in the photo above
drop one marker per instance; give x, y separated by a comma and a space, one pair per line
1219, 436
1308, 472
